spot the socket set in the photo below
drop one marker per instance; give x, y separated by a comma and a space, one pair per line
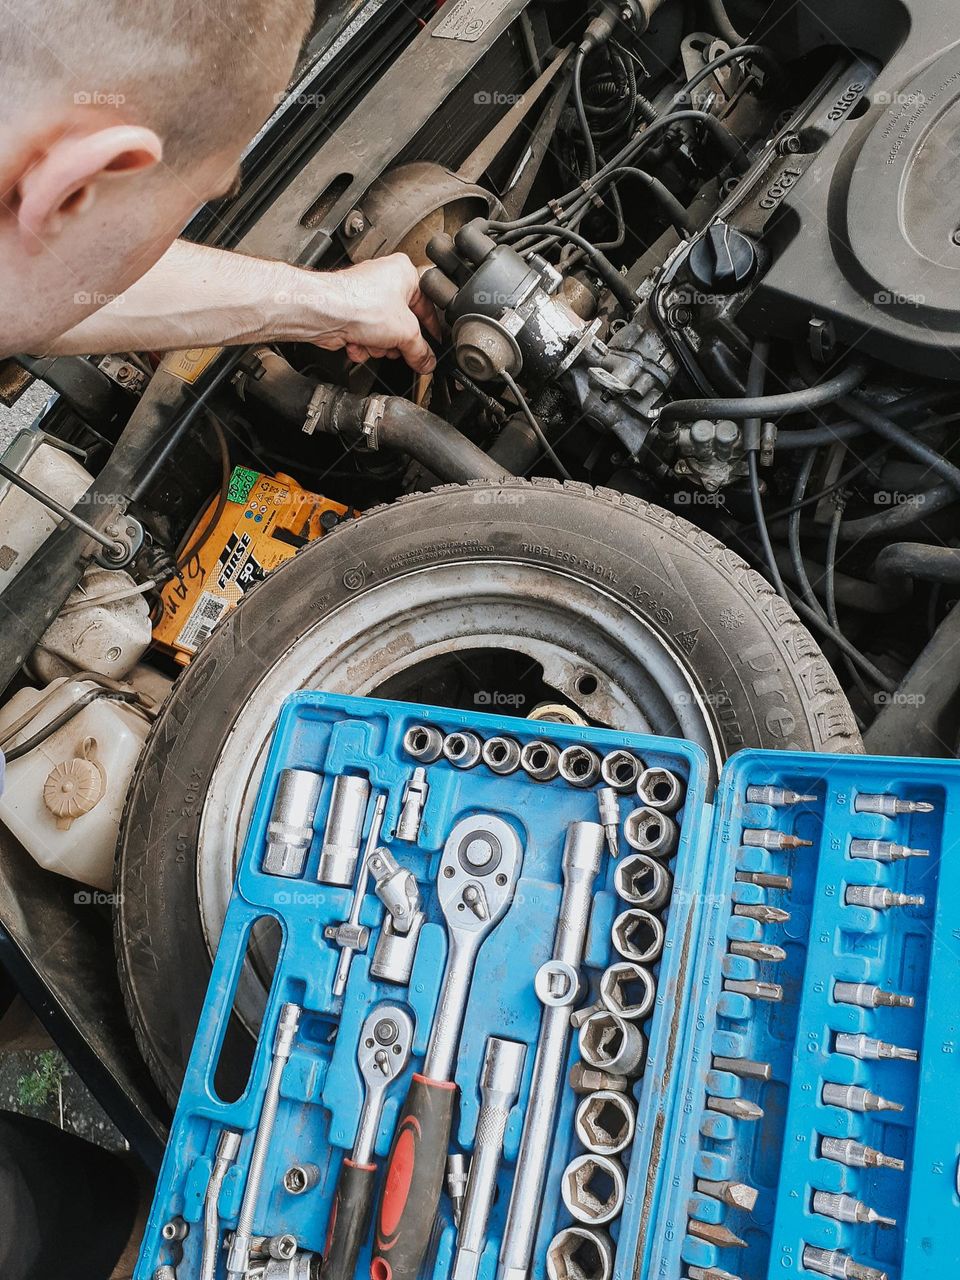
543, 1008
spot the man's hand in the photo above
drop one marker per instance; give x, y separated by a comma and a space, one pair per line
382, 311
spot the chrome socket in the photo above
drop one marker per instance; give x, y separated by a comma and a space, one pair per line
290, 828
414, 802
462, 750
660, 789
610, 1043
606, 1122
341, 836
579, 766
540, 760
501, 755
620, 770
642, 882
424, 743
300, 1178
638, 935
593, 1188
651, 832
579, 1253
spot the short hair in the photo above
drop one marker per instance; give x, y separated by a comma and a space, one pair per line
177, 66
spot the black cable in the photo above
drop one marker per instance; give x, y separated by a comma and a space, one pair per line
536, 427
756, 377
614, 281
582, 112
830, 433
830, 592
793, 532
65, 716
758, 51
721, 22
885, 427
775, 406
761, 523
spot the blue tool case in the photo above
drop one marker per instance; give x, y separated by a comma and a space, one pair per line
774, 1092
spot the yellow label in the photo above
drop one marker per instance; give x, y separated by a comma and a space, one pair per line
189, 364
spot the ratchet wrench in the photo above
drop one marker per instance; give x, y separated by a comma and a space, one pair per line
478, 872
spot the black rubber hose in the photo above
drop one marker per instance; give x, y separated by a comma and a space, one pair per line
722, 25
830, 433
918, 560
65, 716
721, 135
611, 277
883, 426
758, 51
668, 202
778, 406
913, 509
582, 112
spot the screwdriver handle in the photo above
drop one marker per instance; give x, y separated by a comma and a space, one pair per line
349, 1220
414, 1180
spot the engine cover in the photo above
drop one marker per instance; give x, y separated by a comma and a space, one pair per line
869, 234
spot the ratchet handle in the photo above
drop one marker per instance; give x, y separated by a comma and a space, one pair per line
349, 1220
414, 1180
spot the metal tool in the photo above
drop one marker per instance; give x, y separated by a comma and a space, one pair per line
302, 1266
736, 1108
660, 789
396, 887
238, 1257
885, 850
848, 1209
350, 935
593, 1188
778, 797
382, 1055
620, 770
394, 954
853, 1098
765, 880
300, 1178
463, 750
415, 792
762, 952
424, 743
761, 912
871, 1050
890, 806
776, 840
228, 1144
831, 1262
580, 1253
651, 832
290, 827
605, 1122
477, 875
745, 1068
868, 997
458, 1170
501, 755
754, 990
609, 1043
628, 990
540, 760
282, 1248
174, 1231
643, 882
709, 1273
871, 895
500, 1078
584, 1079
341, 835
578, 766
608, 803
736, 1194
558, 987
715, 1233
638, 935
856, 1155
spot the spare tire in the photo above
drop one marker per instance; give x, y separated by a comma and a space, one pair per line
502, 596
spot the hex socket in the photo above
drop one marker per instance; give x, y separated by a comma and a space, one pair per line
501, 755
610, 1043
341, 836
424, 743
462, 750
579, 766
660, 789
605, 1122
540, 760
593, 1188
290, 827
638, 935
580, 1253
643, 882
620, 770
651, 832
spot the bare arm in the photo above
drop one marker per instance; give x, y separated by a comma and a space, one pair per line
196, 296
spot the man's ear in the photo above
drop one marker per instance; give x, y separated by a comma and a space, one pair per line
63, 181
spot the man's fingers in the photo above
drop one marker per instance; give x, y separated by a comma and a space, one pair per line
359, 355
426, 313
418, 355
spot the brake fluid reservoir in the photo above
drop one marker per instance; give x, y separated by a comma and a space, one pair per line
63, 799
26, 523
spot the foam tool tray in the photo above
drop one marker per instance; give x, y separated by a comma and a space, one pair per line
737, 1135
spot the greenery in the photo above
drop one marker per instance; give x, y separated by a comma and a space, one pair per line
43, 1083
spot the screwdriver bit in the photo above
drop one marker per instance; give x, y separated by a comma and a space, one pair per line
738, 1108
584, 1079
856, 1156
710, 1273
777, 796
458, 1171
870, 1050
847, 1209
830, 1262
885, 850
754, 990
852, 1098
868, 997
871, 895
890, 806
760, 911
744, 1067
763, 952
715, 1233
757, 839
765, 880
736, 1194
608, 801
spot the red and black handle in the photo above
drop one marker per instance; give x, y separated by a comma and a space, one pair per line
414, 1180
349, 1220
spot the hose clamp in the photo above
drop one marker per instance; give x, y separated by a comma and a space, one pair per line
376, 407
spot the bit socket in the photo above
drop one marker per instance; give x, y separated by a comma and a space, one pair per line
628, 990
501, 755
638, 935
715, 1233
736, 1194
777, 840
462, 750
660, 789
584, 1079
856, 1156
852, 1098
620, 770
609, 1043
885, 850
870, 1050
760, 911
540, 761
754, 990
424, 743
341, 835
830, 1262
579, 766
300, 1178
871, 895
290, 828
414, 800
745, 1068
651, 832
458, 1171
593, 1188
605, 1122
778, 797
765, 880
868, 997
738, 1108
762, 952
608, 803
643, 882
847, 1209
890, 806
580, 1253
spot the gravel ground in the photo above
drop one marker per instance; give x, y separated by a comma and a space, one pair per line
23, 412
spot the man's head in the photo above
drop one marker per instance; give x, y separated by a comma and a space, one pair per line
122, 117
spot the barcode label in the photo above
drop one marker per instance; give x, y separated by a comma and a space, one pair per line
204, 616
